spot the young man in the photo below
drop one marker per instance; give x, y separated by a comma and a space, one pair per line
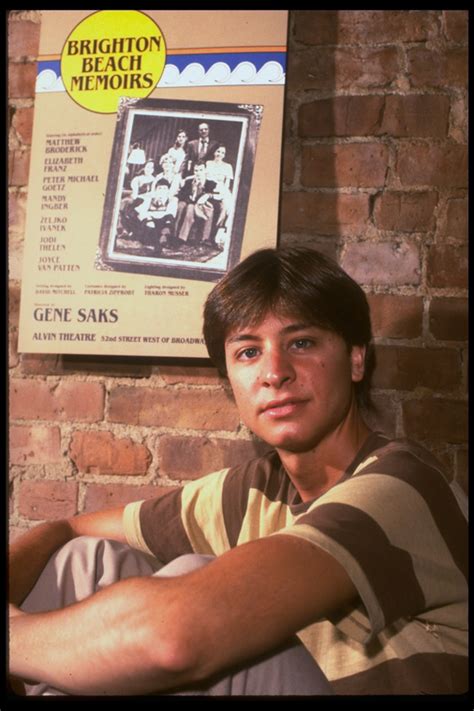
352, 542
156, 213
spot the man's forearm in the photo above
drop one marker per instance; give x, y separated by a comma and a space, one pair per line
147, 634
29, 554
106, 644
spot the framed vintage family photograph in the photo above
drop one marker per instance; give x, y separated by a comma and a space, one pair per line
178, 187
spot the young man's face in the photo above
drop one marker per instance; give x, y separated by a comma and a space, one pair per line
292, 382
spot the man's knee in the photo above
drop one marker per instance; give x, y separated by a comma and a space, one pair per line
83, 566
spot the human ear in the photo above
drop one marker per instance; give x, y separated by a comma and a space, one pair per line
358, 363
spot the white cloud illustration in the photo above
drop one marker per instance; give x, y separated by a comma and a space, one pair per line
48, 80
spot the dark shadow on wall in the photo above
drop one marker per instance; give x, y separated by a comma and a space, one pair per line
309, 204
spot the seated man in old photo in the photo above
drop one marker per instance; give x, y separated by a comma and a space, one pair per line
195, 211
334, 564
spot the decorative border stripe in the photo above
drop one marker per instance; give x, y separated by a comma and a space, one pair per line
207, 68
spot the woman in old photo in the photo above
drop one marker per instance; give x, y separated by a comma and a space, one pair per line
222, 174
178, 151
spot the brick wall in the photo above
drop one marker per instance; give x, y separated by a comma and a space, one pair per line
374, 174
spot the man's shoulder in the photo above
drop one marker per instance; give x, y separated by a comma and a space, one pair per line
390, 453
411, 466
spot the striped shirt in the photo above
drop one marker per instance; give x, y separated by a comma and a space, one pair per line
393, 522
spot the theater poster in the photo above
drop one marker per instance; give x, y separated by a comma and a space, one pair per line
155, 169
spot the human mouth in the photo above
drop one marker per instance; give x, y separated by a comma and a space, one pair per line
282, 408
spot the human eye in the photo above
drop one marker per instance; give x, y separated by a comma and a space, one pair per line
248, 353
302, 344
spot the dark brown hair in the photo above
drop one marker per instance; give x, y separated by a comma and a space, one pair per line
292, 281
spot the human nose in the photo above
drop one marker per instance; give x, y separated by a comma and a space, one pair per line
276, 369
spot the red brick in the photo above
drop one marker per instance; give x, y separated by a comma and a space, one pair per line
395, 115
117, 366
15, 255
363, 26
18, 167
13, 356
465, 367
323, 213
440, 166
173, 374
416, 115
23, 39
330, 69
107, 496
16, 210
456, 25
383, 263
400, 368
102, 453
13, 315
22, 123
404, 211
396, 316
48, 499
192, 457
192, 409
13, 304
448, 266
341, 116
454, 223
436, 419
449, 318
428, 68
40, 364
21, 80
35, 445
49, 364
77, 401
358, 165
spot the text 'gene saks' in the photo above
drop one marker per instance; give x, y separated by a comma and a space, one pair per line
81, 315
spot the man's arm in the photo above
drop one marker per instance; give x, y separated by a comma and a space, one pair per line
144, 635
29, 553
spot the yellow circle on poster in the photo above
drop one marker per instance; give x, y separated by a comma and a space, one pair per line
110, 54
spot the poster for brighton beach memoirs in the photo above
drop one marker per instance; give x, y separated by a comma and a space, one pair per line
155, 169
